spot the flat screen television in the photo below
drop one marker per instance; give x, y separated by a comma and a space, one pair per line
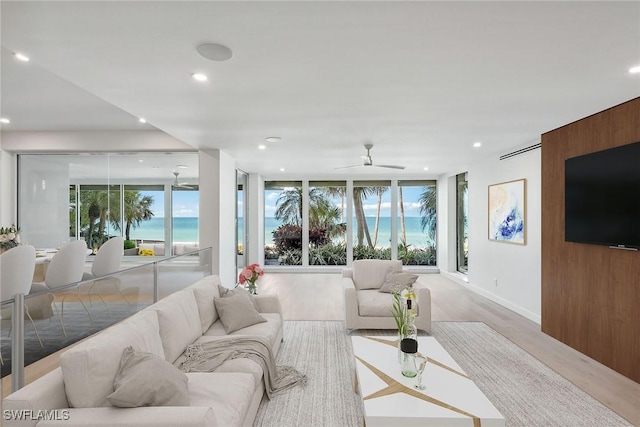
602, 198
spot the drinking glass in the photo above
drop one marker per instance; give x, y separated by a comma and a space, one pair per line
421, 363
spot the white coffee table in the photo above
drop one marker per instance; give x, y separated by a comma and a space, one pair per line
450, 399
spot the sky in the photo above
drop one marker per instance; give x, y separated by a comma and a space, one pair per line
185, 203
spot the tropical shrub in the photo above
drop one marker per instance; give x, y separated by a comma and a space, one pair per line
291, 257
129, 244
287, 237
367, 252
329, 254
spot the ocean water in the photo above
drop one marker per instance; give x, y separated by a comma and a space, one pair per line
185, 229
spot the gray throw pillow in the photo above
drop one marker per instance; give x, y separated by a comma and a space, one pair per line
224, 292
237, 310
397, 280
144, 379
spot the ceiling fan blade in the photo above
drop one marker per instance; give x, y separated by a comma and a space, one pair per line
390, 166
347, 167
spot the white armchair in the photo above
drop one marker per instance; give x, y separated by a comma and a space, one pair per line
368, 308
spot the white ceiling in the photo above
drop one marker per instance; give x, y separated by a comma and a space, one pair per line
422, 81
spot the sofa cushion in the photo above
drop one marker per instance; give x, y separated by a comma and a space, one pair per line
179, 322
205, 290
145, 379
237, 311
371, 273
229, 394
398, 280
270, 329
90, 367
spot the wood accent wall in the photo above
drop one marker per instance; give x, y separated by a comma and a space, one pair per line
590, 293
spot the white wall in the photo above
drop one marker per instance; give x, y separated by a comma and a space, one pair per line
217, 185
509, 274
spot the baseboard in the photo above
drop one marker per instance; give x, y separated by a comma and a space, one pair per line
463, 281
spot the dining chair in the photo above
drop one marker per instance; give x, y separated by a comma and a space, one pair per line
16, 272
66, 267
106, 262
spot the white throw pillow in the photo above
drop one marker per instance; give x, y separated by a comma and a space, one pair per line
398, 280
236, 310
89, 368
145, 379
179, 322
204, 291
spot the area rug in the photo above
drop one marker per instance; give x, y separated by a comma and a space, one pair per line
523, 389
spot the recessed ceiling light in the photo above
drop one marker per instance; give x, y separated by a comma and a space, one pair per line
182, 166
214, 52
142, 120
5, 120
425, 168
140, 161
477, 144
281, 169
635, 70
21, 57
199, 77
262, 146
273, 139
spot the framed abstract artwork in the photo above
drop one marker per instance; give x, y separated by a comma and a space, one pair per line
507, 208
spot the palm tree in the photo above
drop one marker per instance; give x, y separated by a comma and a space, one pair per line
137, 208
427, 202
379, 191
289, 204
403, 231
359, 194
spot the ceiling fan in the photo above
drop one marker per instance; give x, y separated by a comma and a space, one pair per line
177, 184
367, 161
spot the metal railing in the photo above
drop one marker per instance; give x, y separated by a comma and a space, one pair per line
158, 278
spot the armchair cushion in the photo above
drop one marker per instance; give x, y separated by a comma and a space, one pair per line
374, 303
371, 273
145, 379
398, 280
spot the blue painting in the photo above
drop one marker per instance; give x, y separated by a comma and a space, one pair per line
507, 212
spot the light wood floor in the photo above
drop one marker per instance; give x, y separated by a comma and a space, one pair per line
319, 297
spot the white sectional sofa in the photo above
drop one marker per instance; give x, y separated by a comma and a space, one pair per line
228, 397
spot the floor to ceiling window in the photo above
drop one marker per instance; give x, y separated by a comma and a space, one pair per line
327, 223
283, 222
306, 222
96, 196
417, 222
462, 221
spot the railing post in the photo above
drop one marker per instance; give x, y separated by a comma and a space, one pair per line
17, 343
155, 282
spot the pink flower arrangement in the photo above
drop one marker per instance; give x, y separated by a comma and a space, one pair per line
250, 275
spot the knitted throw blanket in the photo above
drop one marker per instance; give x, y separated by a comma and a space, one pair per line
207, 356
